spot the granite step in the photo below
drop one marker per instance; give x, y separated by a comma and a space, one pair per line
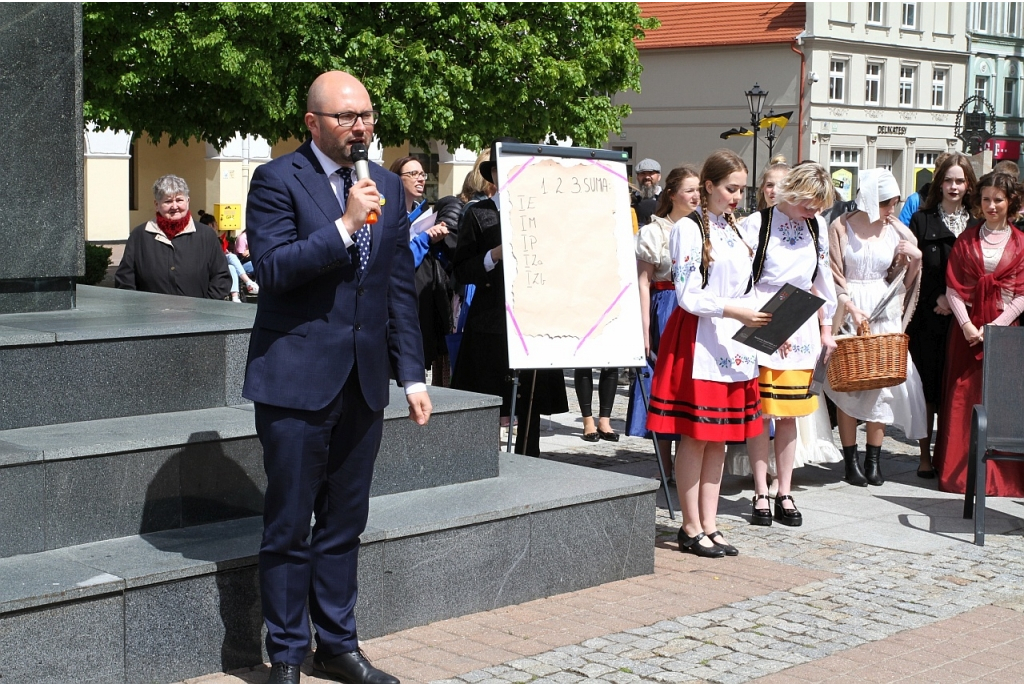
72, 483
176, 604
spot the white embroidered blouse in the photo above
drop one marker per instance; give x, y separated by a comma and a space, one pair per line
790, 258
716, 357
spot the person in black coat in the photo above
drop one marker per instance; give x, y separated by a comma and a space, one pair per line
171, 253
483, 355
943, 216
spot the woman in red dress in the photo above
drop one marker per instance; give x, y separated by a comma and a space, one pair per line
985, 285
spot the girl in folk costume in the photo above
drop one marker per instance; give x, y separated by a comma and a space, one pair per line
679, 199
704, 385
792, 247
869, 249
985, 285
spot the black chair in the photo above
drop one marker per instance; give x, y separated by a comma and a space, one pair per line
997, 425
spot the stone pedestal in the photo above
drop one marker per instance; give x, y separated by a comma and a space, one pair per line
41, 225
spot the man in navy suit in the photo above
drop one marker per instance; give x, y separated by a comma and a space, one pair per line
337, 304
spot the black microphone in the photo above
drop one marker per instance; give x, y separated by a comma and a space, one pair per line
361, 160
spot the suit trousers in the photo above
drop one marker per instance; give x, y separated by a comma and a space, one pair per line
318, 463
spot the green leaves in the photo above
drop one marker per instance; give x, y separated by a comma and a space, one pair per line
462, 73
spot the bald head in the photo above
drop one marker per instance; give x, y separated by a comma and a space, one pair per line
333, 93
331, 86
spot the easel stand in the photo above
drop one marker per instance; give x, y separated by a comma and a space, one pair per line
512, 409
654, 439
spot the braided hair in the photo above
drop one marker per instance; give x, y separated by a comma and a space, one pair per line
717, 167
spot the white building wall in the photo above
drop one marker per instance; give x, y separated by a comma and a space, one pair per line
850, 132
690, 96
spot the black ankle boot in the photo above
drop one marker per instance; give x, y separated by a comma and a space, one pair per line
854, 476
872, 467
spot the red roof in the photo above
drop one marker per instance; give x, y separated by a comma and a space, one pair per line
695, 24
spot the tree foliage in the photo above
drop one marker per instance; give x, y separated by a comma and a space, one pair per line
463, 73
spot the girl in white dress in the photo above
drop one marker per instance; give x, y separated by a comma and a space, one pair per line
869, 248
792, 247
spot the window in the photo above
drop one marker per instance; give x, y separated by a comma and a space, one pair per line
1009, 96
839, 156
873, 84
983, 17
1012, 18
874, 13
981, 86
939, 77
837, 81
926, 159
909, 20
907, 86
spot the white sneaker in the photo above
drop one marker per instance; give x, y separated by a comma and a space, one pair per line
252, 287
235, 298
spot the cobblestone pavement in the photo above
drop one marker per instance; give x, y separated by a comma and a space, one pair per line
879, 585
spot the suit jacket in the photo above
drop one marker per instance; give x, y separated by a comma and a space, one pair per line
318, 317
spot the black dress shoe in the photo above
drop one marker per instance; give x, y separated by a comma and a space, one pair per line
787, 517
591, 437
284, 673
730, 551
926, 474
693, 546
610, 436
351, 667
760, 517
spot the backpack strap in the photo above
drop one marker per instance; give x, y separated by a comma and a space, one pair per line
812, 226
762, 245
696, 217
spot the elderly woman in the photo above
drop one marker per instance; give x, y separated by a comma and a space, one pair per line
171, 254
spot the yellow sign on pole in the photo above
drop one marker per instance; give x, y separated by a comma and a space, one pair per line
229, 217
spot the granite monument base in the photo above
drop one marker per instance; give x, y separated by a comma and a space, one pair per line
130, 528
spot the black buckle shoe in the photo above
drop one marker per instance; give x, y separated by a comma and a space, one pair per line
351, 667
787, 517
730, 551
760, 517
693, 546
284, 673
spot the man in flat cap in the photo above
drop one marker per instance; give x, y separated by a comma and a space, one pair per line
648, 174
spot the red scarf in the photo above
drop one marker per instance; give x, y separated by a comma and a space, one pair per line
965, 273
172, 227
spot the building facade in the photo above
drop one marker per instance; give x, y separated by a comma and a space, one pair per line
120, 169
697, 67
870, 84
885, 80
994, 71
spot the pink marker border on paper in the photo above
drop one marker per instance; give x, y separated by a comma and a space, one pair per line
515, 323
521, 170
611, 171
606, 312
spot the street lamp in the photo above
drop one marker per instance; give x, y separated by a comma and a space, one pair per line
755, 101
773, 124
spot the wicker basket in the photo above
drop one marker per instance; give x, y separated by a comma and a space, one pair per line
868, 362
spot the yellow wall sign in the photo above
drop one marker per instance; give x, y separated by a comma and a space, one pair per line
229, 217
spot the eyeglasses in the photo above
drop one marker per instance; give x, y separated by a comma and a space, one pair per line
416, 174
348, 119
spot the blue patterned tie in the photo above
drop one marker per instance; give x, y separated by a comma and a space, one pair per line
362, 236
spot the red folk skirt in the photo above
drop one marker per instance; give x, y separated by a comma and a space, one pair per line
704, 410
